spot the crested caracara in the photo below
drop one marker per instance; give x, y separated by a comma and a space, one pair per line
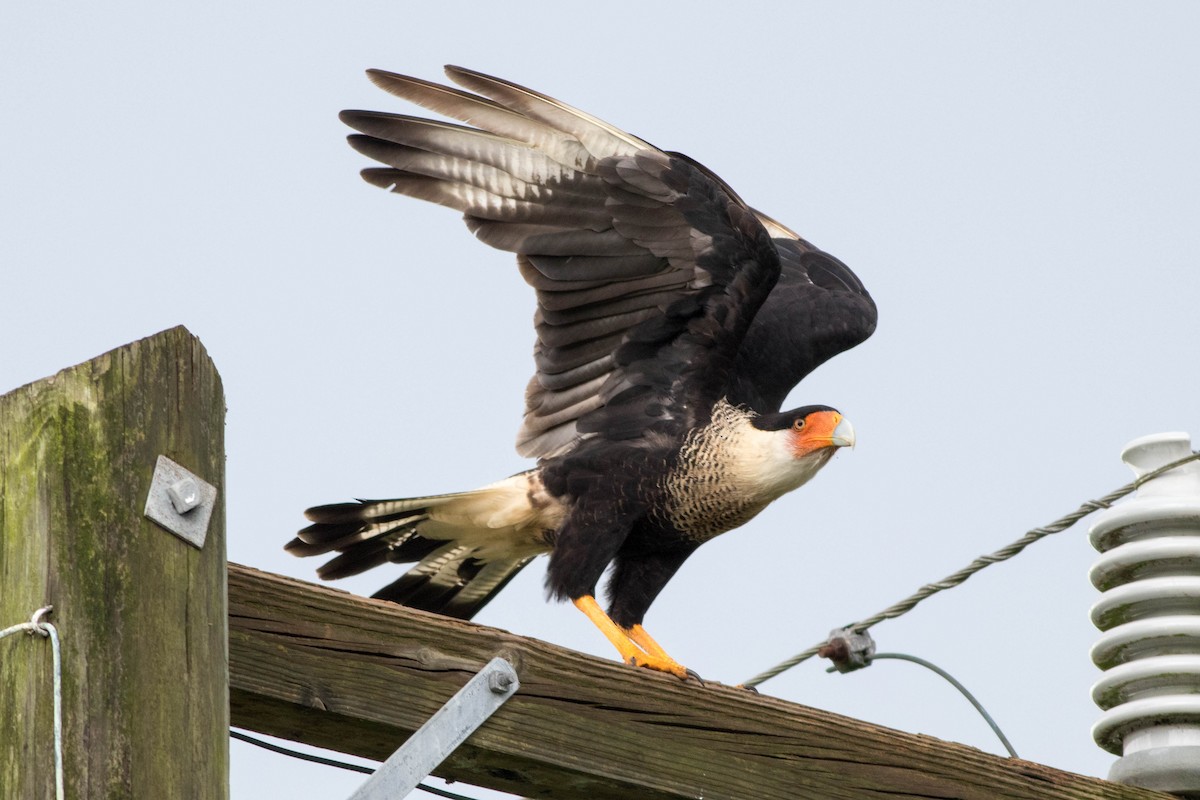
672, 321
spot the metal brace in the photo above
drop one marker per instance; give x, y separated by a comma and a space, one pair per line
442, 733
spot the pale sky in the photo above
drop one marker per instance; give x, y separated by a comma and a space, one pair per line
1016, 183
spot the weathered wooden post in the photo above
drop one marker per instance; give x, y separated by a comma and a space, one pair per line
142, 614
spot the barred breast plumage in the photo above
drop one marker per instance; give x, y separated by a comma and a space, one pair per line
726, 474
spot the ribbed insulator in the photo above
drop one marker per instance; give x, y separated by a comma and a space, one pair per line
1149, 612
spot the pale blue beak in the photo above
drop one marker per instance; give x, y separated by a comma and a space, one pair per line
843, 434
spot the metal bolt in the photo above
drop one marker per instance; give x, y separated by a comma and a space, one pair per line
500, 682
184, 494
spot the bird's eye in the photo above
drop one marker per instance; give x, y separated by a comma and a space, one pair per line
798, 425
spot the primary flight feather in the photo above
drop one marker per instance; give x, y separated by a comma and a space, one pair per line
672, 321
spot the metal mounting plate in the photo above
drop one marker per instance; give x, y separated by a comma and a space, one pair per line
180, 501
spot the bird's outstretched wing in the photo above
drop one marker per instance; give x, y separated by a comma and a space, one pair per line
819, 308
649, 270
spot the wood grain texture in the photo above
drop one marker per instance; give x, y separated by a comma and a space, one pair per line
141, 613
331, 669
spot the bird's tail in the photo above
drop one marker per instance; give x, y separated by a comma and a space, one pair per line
467, 545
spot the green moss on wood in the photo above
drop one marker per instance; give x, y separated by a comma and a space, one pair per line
141, 613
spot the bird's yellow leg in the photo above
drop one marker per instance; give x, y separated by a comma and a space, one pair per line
645, 641
627, 647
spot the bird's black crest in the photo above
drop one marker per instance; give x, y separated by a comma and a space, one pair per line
784, 419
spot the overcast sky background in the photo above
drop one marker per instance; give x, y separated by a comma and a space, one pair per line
1016, 183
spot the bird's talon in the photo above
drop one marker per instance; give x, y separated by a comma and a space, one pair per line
669, 666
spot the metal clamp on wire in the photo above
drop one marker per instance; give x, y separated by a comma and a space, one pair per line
848, 649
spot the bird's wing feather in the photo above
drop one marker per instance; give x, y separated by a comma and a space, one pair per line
452, 582
674, 364
648, 269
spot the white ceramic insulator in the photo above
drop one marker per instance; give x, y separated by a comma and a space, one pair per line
1149, 612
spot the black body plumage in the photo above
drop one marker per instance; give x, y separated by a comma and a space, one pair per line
672, 322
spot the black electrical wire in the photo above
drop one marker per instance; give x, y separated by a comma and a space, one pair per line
331, 762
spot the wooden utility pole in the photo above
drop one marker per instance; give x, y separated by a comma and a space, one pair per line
141, 613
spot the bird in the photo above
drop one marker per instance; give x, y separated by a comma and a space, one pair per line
672, 322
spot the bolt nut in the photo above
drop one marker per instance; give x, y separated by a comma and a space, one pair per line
184, 494
500, 682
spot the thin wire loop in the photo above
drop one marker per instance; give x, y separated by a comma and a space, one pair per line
950, 678
1003, 554
46, 630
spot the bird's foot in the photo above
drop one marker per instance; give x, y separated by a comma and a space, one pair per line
662, 664
634, 644
653, 650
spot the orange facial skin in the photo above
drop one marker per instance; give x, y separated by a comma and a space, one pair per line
819, 430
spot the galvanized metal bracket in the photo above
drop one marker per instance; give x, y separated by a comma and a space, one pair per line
180, 501
442, 733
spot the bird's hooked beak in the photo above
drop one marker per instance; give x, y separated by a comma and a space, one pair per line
843, 434
821, 430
